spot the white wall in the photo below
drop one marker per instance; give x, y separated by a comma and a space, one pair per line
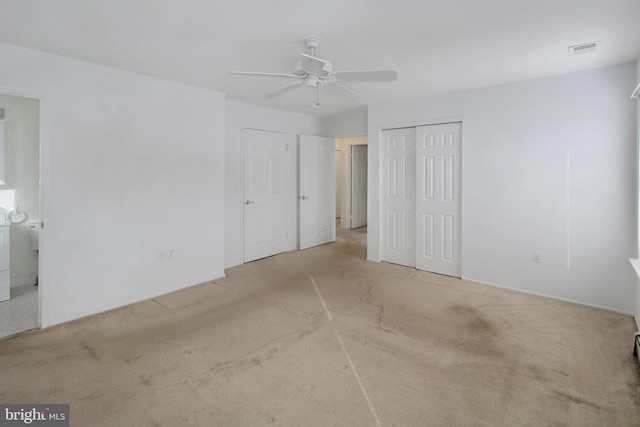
519, 193
351, 123
131, 165
241, 116
22, 163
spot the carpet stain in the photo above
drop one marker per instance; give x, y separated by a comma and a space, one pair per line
475, 333
574, 399
474, 320
561, 372
90, 350
131, 359
251, 362
273, 351
536, 372
365, 299
305, 332
145, 380
93, 396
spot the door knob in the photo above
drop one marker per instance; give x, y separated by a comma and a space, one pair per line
248, 202
304, 197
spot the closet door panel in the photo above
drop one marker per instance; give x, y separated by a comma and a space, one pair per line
438, 204
399, 196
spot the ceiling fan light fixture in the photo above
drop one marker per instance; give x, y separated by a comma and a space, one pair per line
312, 80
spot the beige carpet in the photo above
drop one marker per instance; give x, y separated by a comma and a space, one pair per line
321, 337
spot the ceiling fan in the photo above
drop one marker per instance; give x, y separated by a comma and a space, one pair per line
311, 71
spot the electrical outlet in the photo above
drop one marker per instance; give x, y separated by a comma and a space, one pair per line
170, 254
537, 258
162, 255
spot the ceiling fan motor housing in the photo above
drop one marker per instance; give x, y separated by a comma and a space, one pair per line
299, 70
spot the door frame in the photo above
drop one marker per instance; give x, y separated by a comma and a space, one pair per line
43, 190
377, 205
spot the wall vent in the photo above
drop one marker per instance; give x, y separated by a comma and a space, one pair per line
583, 48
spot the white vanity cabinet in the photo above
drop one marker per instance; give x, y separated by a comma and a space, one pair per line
5, 274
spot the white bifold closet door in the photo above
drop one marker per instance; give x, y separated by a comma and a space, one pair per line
399, 196
438, 191
421, 197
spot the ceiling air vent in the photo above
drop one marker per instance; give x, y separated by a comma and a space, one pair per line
583, 48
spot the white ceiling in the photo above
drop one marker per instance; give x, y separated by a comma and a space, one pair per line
435, 45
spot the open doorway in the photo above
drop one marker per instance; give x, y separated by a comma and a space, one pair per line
351, 182
19, 214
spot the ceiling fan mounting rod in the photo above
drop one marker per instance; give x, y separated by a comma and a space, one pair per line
312, 44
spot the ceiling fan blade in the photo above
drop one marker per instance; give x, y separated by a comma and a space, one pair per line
367, 75
340, 91
314, 65
250, 73
285, 89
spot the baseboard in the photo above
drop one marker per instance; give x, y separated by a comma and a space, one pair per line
553, 297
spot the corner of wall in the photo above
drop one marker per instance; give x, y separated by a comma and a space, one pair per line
637, 233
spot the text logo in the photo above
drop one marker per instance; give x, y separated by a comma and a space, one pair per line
34, 415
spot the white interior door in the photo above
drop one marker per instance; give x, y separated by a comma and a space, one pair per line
358, 154
264, 193
398, 196
317, 186
438, 198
